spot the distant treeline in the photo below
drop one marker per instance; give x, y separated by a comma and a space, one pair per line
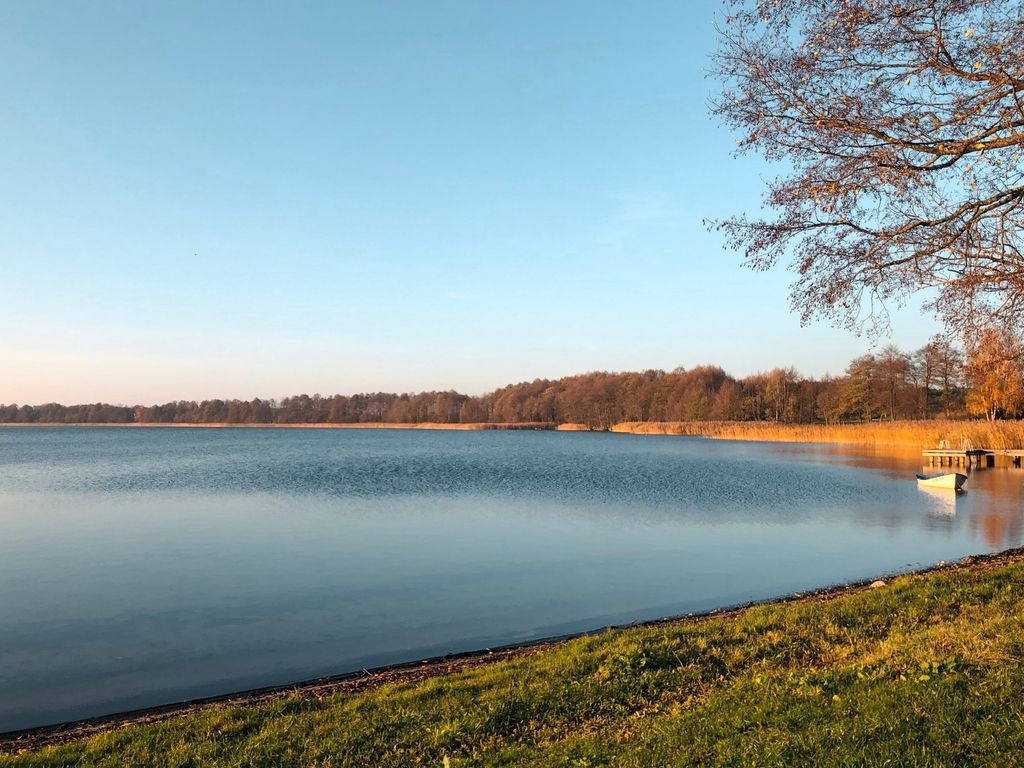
888, 385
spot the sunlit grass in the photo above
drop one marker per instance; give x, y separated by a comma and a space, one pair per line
926, 671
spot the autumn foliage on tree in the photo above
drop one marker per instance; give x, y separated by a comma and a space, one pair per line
994, 376
900, 125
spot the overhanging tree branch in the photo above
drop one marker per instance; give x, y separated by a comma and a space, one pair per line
903, 125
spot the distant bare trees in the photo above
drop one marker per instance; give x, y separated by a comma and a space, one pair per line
891, 384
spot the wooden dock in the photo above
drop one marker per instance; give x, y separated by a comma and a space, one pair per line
974, 457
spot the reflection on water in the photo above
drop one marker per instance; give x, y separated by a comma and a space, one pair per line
997, 520
991, 507
139, 567
942, 501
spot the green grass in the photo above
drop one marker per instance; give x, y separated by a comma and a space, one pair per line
925, 672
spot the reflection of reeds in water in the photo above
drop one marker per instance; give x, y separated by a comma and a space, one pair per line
998, 522
999, 528
918, 434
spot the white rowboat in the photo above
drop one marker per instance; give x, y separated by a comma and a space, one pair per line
952, 480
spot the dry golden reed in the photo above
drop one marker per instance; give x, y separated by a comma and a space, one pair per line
909, 434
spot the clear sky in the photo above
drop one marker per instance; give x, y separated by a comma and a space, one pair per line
261, 199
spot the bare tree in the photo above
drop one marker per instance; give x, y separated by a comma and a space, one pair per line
900, 125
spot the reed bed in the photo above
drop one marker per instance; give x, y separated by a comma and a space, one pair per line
904, 434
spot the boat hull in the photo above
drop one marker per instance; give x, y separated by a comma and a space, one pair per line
952, 480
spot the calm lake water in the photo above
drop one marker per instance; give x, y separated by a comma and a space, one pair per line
145, 566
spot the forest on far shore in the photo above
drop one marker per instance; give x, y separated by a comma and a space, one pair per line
936, 380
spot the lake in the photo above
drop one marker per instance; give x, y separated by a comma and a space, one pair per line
145, 566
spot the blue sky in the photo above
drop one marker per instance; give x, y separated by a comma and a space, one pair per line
262, 199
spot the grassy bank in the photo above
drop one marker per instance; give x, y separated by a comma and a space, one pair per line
905, 434
924, 671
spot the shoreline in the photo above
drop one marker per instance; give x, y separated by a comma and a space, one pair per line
898, 438
999, 435
26, 740
467, 427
